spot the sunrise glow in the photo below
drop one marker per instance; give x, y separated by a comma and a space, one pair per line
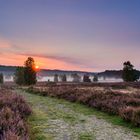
37, 67
87, 35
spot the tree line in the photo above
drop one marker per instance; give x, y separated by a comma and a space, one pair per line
27, 75
75, 77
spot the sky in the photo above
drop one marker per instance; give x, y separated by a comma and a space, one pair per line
86, 35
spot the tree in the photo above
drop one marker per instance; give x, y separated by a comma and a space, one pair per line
1, 78
76, 77
95, 79
19, 76
56, 78
63, 78
30, 72
86, 78
129, 73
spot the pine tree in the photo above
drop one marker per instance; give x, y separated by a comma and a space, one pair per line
30, 72
129, 73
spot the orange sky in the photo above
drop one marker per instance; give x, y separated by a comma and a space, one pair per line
91, 35
15, 59
92, 60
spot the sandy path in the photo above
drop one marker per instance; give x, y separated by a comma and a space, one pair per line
60, 120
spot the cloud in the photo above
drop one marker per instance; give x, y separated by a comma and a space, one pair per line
55, 57
14, 54
7, 46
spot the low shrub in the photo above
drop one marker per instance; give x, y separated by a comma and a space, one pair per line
13, 114
126, 113
131, 114
114, 102
136, 116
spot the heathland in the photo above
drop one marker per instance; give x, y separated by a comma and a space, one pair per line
84, 111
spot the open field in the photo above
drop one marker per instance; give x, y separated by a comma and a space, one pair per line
119, 85
66, 111
58, 119
119, 99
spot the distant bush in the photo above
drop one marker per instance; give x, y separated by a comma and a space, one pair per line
1, 78
86, 78
123, 104
63, 78
76, 77
95, 79
19, 76
13, 113
56, 78
129, 73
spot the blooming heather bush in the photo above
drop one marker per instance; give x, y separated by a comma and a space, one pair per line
136, 116
131, 114
13, 113
9, 135
124, 104
126, 113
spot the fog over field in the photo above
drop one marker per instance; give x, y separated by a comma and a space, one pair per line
48, 75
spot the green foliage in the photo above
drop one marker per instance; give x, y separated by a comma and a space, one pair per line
85, 136
19, 76
1, 78
129, 73
30, 72
86, 78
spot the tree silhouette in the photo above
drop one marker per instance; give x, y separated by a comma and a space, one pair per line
86, 78
1, 78
56, 78
76, 77
19, 76
30, 71
95, 79
129, 73
63, 78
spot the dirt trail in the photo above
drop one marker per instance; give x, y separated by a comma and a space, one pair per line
57, 119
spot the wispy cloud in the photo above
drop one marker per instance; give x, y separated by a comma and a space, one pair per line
16, 54
55, 57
